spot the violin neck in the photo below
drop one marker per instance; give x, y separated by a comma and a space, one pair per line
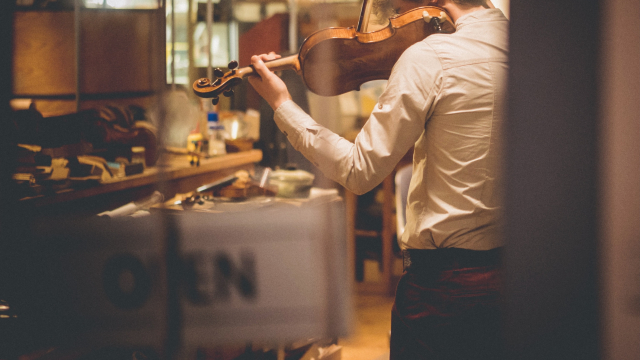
285, 63
365, 14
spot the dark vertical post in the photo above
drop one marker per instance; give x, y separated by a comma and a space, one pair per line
9, 342
551, 169
77, 33
7, 148
172, 266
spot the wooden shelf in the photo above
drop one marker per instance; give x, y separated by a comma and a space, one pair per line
366, 233
176, 175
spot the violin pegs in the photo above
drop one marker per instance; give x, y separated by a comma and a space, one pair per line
218, 73
233, 64
228, 93
215, 100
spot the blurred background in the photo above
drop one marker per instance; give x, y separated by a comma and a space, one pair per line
98, 113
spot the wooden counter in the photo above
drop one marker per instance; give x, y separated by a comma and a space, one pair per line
176, 175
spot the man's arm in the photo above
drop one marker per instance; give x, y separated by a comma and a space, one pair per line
395, 124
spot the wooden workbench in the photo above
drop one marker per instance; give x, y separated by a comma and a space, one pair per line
171, 176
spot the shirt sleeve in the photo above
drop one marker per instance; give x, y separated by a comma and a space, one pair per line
395, 124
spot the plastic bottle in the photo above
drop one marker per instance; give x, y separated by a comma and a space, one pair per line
217, 144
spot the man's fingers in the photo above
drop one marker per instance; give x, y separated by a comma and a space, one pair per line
266, 83
270, 56
259, 66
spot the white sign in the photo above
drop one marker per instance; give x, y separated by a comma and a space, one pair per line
274, 275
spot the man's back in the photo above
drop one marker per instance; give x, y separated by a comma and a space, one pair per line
454, 196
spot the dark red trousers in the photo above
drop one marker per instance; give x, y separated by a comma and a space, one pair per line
449, 308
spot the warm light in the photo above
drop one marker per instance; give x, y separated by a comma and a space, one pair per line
122, 4
117, 3
93, 3
234, 129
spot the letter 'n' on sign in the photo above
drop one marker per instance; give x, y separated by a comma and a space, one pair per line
242, 276
210, 277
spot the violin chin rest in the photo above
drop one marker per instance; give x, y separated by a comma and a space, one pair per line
428, 18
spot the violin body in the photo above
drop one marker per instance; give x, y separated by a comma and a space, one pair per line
334, 61
337, 60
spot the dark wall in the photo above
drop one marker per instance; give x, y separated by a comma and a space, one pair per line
551, 195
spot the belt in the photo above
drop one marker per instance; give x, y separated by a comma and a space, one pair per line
450, 258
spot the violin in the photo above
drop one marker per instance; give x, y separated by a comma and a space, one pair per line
334, 61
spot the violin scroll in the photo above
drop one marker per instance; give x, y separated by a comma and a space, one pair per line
225, 82
222, 85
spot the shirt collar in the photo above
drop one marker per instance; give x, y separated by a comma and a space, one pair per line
479, 16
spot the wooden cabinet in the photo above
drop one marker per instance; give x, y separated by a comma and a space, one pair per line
66, 61
379, 239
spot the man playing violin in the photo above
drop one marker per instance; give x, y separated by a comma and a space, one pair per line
445, 97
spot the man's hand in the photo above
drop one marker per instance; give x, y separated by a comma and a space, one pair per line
268, 84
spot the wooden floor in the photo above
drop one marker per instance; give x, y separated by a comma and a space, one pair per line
370, 339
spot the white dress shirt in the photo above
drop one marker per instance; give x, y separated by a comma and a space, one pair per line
445, 97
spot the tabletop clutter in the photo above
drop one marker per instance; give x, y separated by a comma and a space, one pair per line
243, 188
217, 133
